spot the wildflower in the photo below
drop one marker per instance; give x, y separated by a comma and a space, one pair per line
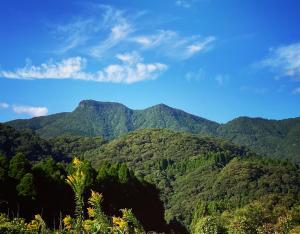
91, 212
76, 162
33, 225
68, 222
95, 198
119, 222
88, 225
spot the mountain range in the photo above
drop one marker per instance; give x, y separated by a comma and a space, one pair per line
273, 138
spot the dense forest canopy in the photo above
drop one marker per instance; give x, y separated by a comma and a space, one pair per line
184, 182
272, 138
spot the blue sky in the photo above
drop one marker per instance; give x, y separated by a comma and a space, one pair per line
215, 59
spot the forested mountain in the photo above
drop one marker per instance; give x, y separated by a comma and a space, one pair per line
25, 141
34, 148
108, 119
273, 138
188, 169
195, 182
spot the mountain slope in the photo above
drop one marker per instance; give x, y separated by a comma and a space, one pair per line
108, 119
188, 168
273, 138
23, 141
276, 138
34, 148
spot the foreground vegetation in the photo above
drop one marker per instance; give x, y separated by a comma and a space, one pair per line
97, 222
152, 179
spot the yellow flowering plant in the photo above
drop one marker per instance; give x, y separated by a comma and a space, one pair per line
77, 181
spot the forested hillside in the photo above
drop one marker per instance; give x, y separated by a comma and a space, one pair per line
188, 169
173, 181
108, 119
272, 138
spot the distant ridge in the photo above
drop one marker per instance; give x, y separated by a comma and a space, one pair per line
275, 138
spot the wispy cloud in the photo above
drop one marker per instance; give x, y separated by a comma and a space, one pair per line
221, 79
255, 90
284, 61
4, 105
119, 30
95, 32
172, 44
195, 75
101, 35
296, 91
130, 58
30, 110
74, 34
155, 39
188, 3
130, 70
198, 46
107, 34
182, 3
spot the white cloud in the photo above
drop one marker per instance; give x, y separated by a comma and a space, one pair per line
188, 3
130, 70
156, 39
284, 60
105, 31
30, 110
130, 58
74, 34
130, 73
171, 44
195, 75
118, 34
255, 90
4, 105
119, 30
198, 46
221, 79
296, 91
67, 68
97, 30
183, 3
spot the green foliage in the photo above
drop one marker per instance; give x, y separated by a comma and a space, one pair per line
77, 181
3, 168
69, 145
18, 166
111, 120
18, 225
164, 158
207, 225
271, 138
26, 186
24, 141
98, 222
189, 168
95, 212
34, 148
123, 173
237, 192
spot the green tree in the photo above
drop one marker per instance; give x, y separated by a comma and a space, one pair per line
18, 166
26, 186
3, 168
123, 173
207, 225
